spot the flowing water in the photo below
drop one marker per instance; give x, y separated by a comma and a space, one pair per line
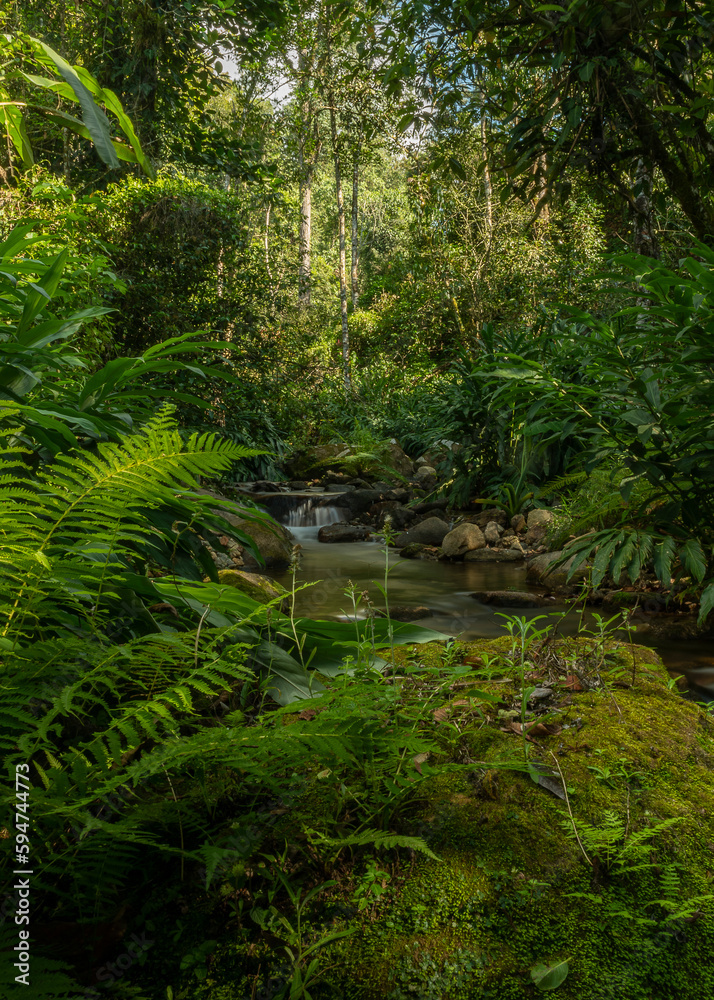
444, 588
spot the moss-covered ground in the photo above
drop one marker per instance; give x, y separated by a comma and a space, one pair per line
510, 888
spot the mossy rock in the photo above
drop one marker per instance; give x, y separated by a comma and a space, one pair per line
272, 540
252, 585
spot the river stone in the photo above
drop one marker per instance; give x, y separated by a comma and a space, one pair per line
342, 533
490, 514
492, 532
425, 477
399, 516
541, 570
494, 555
416, 551
509, 598
464, 538
518, 523
429, 532
539, 516
251, 584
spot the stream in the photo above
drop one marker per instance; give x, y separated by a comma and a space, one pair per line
444, 588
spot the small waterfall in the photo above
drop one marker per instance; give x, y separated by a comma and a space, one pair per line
308, 515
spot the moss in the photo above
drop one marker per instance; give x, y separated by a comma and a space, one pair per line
501, 899
259, 588
512, 888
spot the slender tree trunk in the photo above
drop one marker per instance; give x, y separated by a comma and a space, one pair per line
305, 240
354, 272
340, 223
309, 146
645, 236
487, 187
266, 244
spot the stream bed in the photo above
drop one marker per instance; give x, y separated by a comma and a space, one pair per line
445, 588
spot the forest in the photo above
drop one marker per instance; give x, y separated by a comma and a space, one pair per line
357, 499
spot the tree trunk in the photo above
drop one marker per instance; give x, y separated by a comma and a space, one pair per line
354, 272
487, 187
305, 240
645, 237
309, 146
340, 226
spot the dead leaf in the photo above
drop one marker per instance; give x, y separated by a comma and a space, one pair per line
441, 714
164, 607
536, 728
307, 714
572, 683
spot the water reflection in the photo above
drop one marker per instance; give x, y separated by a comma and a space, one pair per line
445, 589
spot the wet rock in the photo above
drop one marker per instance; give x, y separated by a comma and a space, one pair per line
492, 532
297, 485
432, 531
341, 532
540, 694
464, 538
359, 501
509, 598
405, 613
494, 555
417, 551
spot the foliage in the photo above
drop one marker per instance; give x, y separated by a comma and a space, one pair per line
72, 83
640, 399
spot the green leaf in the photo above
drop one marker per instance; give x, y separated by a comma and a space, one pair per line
693, 559
706, 604
550, 977
94, 118
664, 553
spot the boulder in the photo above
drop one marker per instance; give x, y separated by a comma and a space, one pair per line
494, 555
429, 532
464, 538
341, 532
398, 460
541, 570
539, 517
509, 598
425, 477
272, 540
492, 532
252, 585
